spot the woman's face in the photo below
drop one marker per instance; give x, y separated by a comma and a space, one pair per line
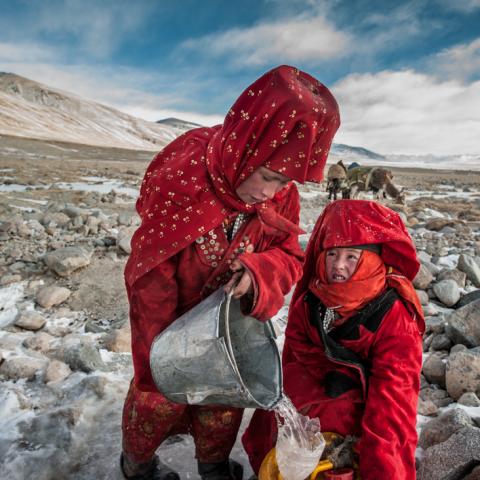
341, 263
261, 185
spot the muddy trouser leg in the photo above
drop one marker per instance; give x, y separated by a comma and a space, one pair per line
215, 430
148, 419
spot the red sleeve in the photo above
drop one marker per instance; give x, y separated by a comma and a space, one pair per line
276, 269
153, 304
389, 437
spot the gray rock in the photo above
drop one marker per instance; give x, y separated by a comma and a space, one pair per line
40, 342
468, 298
124, 238
73, 211
86, 387
14, 368
435, 325
66, 260
52, 429
125, 218
463, 373
469, 399
10, 278
441, 342
447, 291
438, 396
48, 297
458, 348
457, 275
422, 296
426, 408
452, 459
56, 371
463, 325
467, 264
423, 278
55, 219
83, 356
434, 370
443, 427
31, 320
423, 256
430, 309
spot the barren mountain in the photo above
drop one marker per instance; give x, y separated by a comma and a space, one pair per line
31, 109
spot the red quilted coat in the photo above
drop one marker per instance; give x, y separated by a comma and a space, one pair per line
374, 398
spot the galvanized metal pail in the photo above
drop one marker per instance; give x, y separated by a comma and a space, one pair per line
213, 354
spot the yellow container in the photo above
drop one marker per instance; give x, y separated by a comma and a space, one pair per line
269, 468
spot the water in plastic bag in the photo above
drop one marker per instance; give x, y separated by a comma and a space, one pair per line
300, 442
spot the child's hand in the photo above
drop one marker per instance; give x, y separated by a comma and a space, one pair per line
242, 276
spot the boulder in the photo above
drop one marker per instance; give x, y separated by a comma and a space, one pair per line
124, 238
469, 399
31, 320
15, 368
447, 291
426, 408
40, 342
468, 298
56, 371
440, 342
82, 356
463, 325
422, 296
423, 278
434, 370
452, 459
48, 297
463, 373
436, 224
467, 264
66, 260
443, 427
118, 340
457, 275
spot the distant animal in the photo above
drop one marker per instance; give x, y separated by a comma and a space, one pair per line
375, 179
336, 180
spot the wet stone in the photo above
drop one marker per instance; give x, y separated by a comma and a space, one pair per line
31, 321
48, 297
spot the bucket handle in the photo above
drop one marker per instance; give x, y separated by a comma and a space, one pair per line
230, 348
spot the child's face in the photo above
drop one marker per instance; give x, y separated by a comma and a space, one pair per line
341, 263
261, 185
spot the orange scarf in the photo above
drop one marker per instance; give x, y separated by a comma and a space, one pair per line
368, 281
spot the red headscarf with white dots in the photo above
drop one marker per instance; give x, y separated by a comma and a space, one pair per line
284, 121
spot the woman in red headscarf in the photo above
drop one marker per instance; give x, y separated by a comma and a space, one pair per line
218, 207
353, 350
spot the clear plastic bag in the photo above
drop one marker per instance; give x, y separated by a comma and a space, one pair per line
300, 442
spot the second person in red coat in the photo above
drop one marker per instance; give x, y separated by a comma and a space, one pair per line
353, 347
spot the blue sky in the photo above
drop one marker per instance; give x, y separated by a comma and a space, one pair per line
406, 74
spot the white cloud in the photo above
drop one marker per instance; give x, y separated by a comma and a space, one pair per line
27, 52
461, 61
301, 39
85, 26
465, 6
408, 112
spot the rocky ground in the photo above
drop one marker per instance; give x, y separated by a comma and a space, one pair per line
66, 218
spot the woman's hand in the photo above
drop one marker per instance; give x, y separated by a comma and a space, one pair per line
244, 279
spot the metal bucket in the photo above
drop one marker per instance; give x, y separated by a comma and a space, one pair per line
215, 355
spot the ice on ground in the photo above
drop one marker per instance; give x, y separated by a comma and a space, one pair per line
9, 297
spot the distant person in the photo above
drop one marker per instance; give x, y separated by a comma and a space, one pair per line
218, 206
353, 347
